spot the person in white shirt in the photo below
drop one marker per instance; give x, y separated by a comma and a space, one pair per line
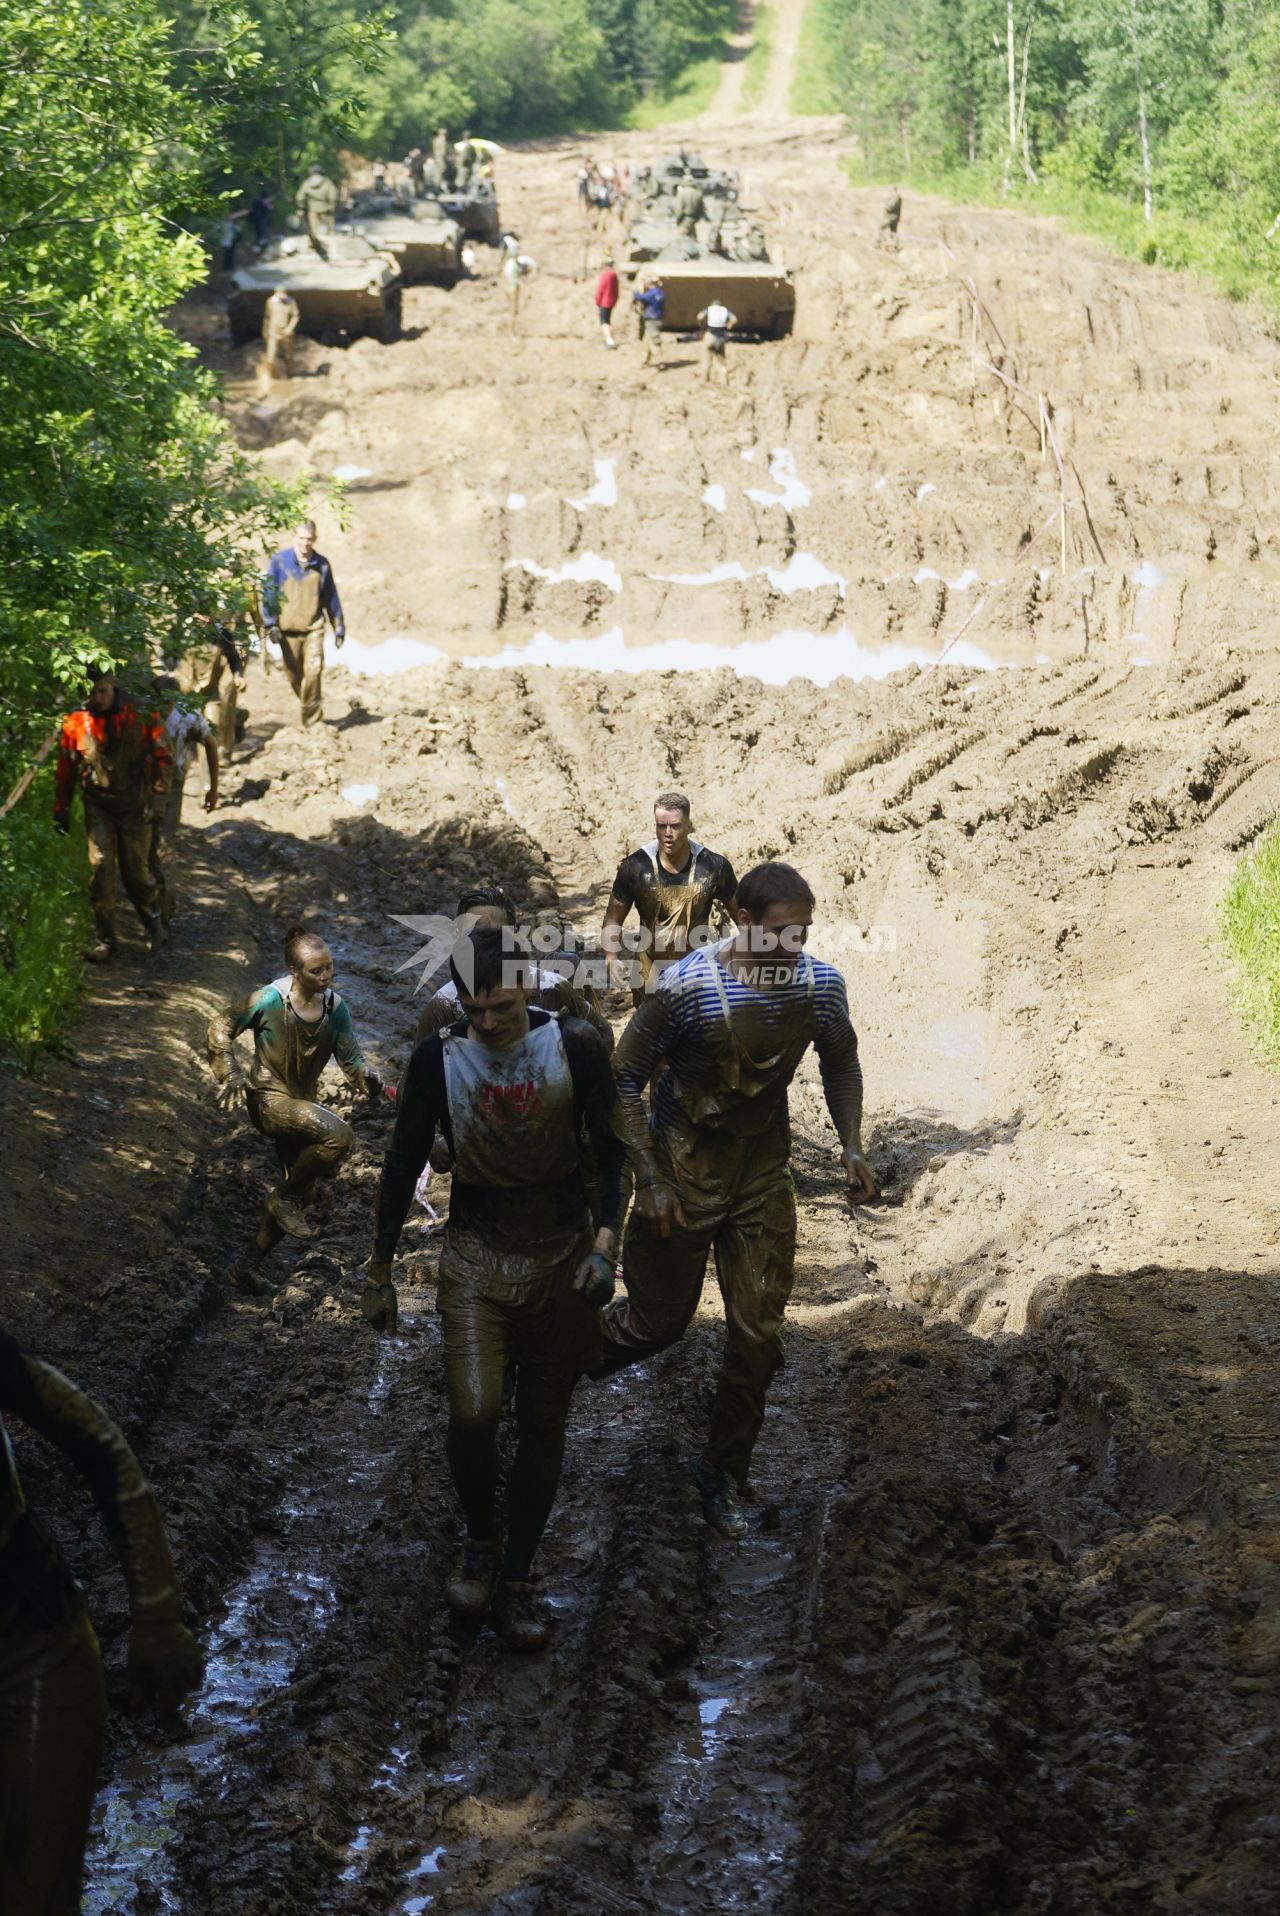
717, 322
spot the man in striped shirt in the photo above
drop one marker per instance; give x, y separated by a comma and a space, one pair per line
712, 1163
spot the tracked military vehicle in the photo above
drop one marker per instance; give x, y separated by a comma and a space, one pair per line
345, 285
761, 294
475, 207
424, 242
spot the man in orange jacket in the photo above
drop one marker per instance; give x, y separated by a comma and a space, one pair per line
121, 760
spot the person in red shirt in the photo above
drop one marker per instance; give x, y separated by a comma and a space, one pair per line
121, 760
606, 300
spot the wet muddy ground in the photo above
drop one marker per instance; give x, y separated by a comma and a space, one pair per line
1002, 1637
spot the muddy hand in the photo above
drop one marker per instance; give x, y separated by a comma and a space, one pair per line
229, 1093
660, 1208
379, 1304
862, 1179
594, 1277
165, 1664
373, 1085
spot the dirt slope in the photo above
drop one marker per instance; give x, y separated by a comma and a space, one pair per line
1002, 1638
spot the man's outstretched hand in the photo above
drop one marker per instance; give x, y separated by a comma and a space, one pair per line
862, 1179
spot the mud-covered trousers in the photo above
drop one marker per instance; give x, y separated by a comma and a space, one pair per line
495, 1316
311, 1142
303, 655
52, 1715
739, 1204
124, 843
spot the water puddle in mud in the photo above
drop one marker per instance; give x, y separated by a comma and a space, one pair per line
276, 1614
965, 583
734, 1743
516, 502
358, 795
803, 572
587, 569
348, 474
714, 496
820, 657
782, 470
384, 660
276, 1610
605, 490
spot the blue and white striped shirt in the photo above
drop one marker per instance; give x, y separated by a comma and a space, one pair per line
684, 1024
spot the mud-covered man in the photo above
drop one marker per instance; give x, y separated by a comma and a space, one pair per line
188, 730
297, 1023
523, 1267
298, 595
545, 986
213, 671
52, 1705
280, 320
712, 1163
120, 758
671, 883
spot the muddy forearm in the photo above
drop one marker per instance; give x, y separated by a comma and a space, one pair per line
220, 1040
421, 1107
81, 1429
842, 1081
638, 1050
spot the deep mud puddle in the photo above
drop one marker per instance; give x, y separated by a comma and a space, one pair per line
276, 1616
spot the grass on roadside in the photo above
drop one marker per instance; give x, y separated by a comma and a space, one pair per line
694, 95
1249, 922
44, 926
812, 90
756, 66
1170, 240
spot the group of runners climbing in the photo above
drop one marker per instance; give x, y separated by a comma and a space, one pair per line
574, 1163
553, 1145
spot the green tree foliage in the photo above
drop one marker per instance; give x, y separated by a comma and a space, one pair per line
1166, 105
123, 500
504, 68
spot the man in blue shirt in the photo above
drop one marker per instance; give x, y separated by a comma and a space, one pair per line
297, 594
651, 304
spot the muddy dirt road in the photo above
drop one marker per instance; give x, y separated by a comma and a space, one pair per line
1003, 1637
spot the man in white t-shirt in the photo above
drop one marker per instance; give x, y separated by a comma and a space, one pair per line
717, 322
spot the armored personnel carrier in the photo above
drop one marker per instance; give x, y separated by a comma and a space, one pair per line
351, 286
424, 242
761, 294
475, 207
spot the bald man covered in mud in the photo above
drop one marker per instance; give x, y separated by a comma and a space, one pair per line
712, 1162
672, 883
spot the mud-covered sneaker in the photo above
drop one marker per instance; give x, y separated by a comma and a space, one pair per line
289, 1214
520, 1617
470, 1587
720, 1504
100, 952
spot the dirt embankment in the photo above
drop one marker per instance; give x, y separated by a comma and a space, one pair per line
1002, 1637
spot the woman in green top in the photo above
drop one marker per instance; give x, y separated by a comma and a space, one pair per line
298, 1023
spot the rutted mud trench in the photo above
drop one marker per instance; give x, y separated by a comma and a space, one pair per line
1003, 1636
